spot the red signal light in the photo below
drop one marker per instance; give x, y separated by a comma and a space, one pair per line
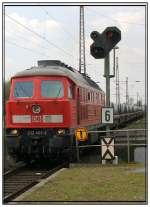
109, 34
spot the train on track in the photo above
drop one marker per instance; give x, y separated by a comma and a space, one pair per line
46, 104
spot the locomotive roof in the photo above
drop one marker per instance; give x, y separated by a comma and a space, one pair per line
56, 68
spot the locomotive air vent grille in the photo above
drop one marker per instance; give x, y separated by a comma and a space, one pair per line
45, 63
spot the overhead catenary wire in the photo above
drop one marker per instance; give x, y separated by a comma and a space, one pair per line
26, 39
29, 49
62, 27
20, 35
38, 35
113, 19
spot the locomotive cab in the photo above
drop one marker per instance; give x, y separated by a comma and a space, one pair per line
39, 101
38, 115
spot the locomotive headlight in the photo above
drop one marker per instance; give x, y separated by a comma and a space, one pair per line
14, 131
36, 109
61, 132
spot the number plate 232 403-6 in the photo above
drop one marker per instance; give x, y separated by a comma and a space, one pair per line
36, 132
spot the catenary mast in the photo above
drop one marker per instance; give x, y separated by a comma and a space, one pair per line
82, 64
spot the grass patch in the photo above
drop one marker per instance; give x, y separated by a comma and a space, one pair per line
93, 183
139, 124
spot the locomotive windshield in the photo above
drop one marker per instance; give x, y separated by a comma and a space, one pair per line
23, 89
52, 89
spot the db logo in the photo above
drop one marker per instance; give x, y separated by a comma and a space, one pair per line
36, 119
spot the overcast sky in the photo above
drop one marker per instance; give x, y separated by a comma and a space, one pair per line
57, 37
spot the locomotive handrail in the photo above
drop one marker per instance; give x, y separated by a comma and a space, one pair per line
127, 144
99, 145
118, 130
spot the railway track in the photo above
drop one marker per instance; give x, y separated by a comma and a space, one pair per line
20, 180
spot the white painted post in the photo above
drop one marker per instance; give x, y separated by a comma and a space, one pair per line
128, 145
103, 162
115, 161
77, 151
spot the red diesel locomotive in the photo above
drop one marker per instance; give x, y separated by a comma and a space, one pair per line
46, 104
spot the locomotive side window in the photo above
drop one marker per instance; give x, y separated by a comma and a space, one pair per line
23, 89
52, 89
70, 92
88, 96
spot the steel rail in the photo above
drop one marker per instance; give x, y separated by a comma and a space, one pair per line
22, 179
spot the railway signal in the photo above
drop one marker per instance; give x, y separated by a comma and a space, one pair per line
104, 42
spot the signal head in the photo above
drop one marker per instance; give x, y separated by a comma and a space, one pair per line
104, 42
97, 51
113, 33
95, 35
